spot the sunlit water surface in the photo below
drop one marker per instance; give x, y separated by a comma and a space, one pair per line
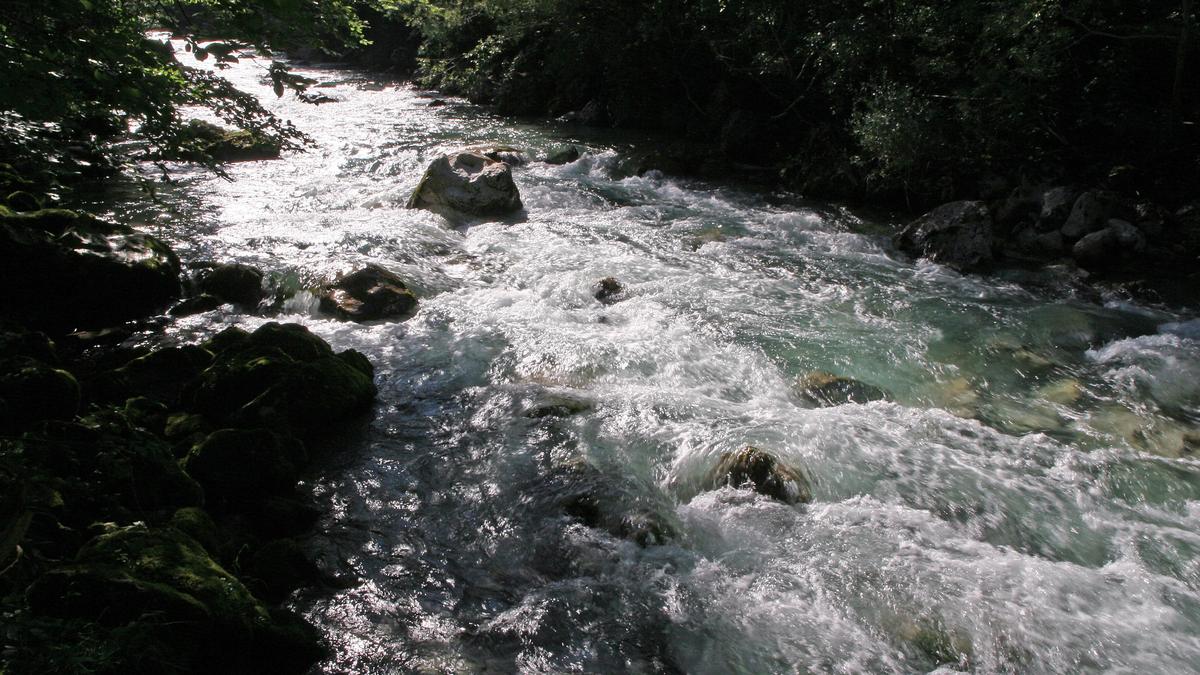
1027, 500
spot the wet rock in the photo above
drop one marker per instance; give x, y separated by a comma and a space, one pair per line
1056, 207
64, 270
235, 283
958, 235
278, 568
196, 305
825, 389
15, 340
467, 183
237, 467
558, 406
278, 516
147, 414
1018, 209
500, 153
437, 103
229, 338
1088, 214
32, 391
608, 290
282, 376
761, 472
563, 154
370, 294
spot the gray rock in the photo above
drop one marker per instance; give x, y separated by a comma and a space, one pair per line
233, 282
1057, 203
1040, 244
957, 234
564, 154
1110, 247
1089, 214
608, 290
467, 183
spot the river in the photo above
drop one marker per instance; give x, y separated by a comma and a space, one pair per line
1026, 500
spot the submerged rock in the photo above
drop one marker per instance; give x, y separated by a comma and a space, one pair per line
467, 183
958, 235
609, 503
761, 472
370, 294
564, 154
826, 389
608, 290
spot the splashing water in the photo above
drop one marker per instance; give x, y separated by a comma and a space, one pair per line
1026, 499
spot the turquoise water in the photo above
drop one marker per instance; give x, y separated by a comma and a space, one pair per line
1026, 500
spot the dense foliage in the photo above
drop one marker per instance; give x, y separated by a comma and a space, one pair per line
916, 98
76, 74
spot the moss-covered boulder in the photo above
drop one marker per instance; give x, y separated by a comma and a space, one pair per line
63, 270
169, 607
103, 468
763, 473
283, 375
370, 294
202, 141
32, 391
160, 375
238, 467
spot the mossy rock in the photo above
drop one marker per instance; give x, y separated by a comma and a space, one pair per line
197, 524
64, 270
146, 413
159, 587
33, 391
283, 376
279, 567
239, 467
230, 338
763, 473
105, 469
160, 375
202, 141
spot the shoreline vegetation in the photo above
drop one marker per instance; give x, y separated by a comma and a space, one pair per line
148, 497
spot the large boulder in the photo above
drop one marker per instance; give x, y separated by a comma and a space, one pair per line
1109, 248
61, 270
467, 183
281, 376
369, 294
1089, 213
1057, 203
761, 472
958, 235
156, 601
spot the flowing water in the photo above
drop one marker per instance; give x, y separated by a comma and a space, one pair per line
1026, 500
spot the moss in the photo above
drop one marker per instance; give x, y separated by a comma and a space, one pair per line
197, 524
33, 391
160, 375
238, 467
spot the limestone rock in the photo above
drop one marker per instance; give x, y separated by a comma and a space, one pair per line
957, 234
467, 183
